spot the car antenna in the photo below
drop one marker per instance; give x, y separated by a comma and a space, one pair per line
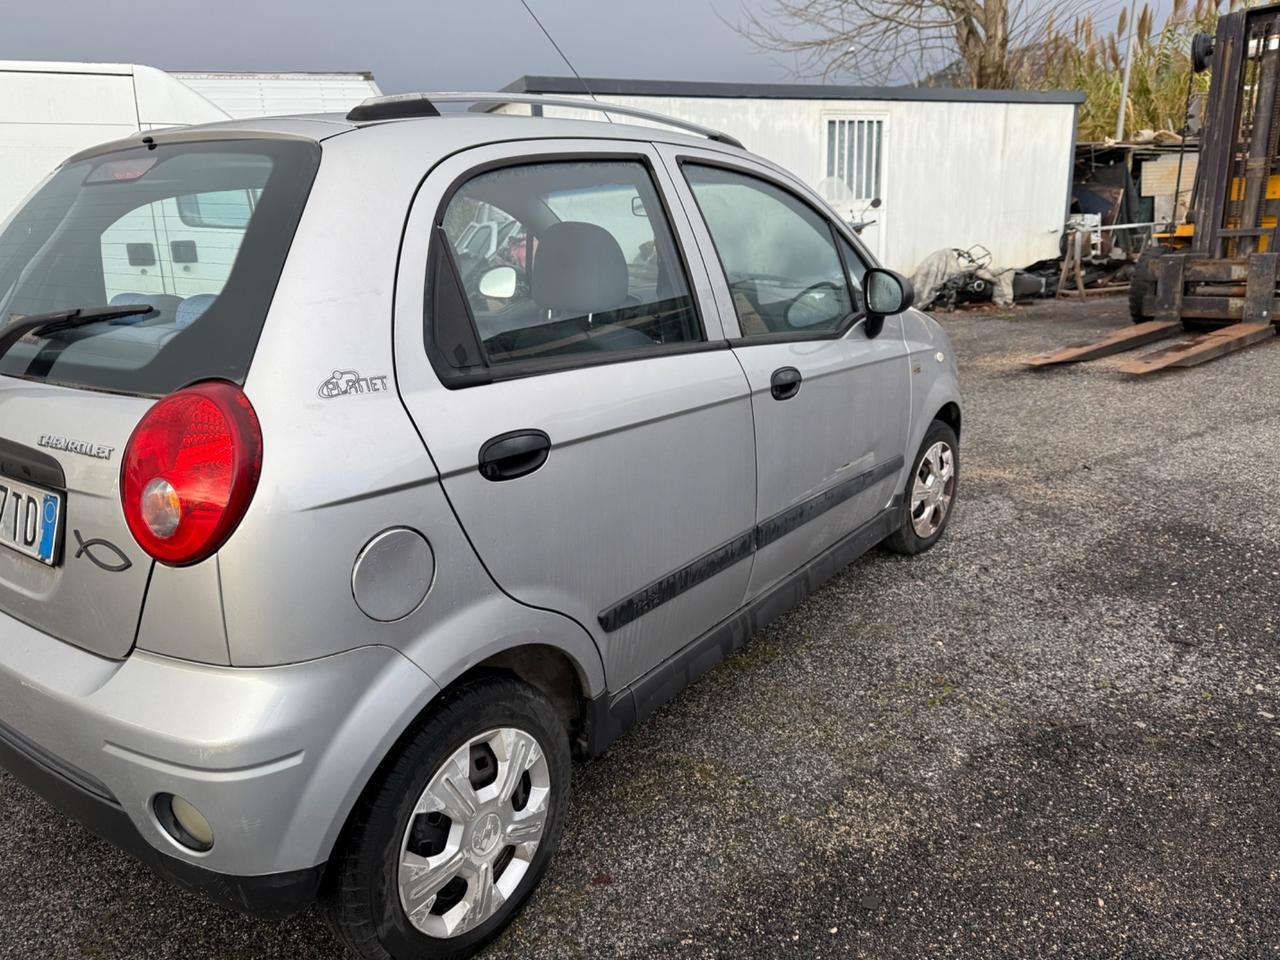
546, 33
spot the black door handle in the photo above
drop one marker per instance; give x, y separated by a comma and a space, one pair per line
514, 454
785, 383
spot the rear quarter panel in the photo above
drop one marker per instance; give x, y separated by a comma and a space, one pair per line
341, 464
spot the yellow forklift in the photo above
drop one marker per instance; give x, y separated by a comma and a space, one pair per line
1210, 284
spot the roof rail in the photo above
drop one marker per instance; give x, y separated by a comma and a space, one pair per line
424, 105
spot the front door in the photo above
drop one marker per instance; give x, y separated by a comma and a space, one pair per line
593, 433
831, 404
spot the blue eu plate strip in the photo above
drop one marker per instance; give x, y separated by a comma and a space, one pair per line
48, 526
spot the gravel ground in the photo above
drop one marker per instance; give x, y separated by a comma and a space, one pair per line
1054, 735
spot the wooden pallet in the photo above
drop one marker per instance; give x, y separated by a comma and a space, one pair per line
1207, 346
1117, 342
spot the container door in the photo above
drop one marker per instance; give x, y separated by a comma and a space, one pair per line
592, 430
853, 181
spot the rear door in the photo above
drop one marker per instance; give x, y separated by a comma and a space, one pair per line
831, 405
574, 389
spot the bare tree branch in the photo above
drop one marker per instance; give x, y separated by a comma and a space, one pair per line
979, 43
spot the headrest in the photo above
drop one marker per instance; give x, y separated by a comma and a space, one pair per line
131, 299
192, 309
579, 267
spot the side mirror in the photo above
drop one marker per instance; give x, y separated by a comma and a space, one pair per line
887, 294
498, 283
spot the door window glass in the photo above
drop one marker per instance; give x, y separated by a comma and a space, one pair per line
565, 258
778, 254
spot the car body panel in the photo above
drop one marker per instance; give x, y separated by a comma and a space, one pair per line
94, 595
251, 749
935, 381
841, 436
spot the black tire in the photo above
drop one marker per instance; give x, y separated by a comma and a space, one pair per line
906, 539
1141, 283
361, 898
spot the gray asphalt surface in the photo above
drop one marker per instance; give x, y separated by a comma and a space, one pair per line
1055, 735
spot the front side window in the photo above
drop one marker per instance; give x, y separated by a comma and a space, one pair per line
567, 257
779, 256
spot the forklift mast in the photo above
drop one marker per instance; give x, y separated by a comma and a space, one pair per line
1219, 294
1235, 206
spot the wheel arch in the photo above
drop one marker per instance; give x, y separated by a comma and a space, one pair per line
949, 413
495, 636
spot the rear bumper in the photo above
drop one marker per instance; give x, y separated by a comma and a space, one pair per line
100, 813
275, 758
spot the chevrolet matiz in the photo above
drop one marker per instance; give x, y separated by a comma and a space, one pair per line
358, 472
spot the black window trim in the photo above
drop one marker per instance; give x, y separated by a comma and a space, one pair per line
782, 336
453, 378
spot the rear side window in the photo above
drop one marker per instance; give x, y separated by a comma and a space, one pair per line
198, 231
779, 256
563, 259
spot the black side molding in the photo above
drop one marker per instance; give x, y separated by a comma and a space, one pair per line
677, 582
611, 715
780, 524
671, 585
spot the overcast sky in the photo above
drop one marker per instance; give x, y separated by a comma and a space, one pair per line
422, 45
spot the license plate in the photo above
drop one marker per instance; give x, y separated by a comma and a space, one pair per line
30, 519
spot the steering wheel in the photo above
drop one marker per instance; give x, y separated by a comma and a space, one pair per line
812, 306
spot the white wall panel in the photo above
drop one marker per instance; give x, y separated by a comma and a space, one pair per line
955, 174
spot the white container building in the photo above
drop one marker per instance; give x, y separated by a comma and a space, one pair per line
951, 167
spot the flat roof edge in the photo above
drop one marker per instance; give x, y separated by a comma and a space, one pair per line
614, 86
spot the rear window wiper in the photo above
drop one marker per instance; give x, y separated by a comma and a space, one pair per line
43, 324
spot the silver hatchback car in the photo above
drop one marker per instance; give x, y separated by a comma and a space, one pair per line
358, 472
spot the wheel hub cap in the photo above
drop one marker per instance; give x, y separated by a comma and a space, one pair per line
932, 489
474, 832
488, 832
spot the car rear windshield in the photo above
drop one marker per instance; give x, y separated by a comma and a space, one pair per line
198, 231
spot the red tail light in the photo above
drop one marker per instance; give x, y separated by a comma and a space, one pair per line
190, 470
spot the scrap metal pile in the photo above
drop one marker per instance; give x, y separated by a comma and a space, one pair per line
949, 277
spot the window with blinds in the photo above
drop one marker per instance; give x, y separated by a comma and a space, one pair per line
853, 155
